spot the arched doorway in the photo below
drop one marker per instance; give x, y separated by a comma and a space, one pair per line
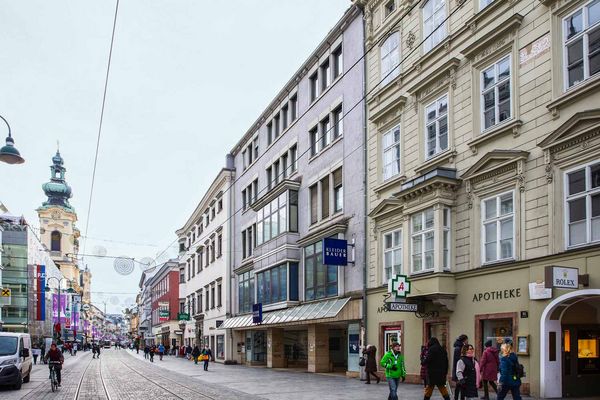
570, 345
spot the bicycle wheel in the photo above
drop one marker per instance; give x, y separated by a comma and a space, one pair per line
53, 381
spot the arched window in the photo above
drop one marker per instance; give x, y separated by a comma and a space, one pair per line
55, 241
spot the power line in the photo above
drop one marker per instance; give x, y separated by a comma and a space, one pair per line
112, 40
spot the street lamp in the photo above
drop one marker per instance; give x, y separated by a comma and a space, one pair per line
69, 290
9, 153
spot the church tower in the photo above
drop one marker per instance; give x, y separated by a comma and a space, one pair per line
57, 223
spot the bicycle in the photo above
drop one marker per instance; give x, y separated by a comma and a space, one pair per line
53, 378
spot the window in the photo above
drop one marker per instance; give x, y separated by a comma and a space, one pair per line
582, 44
219, 245
390, 58
212, 250
270, 132
272, 219
212, 213
284, 117
484, 3
193, 261
284, 165
495, 93
221, 347
255, 141
271, 285
498, 219
313, 82
434, 25
269, 177
320, 280
582, 206
391, 153
325, 132
207, 305
293, 108
276, 127
446, 238
389, 8
436, 127
181, 275
181, 307
422, 241
338, 190
392, 254
200, 258
219, 294
293, 158
189, 270
248, 240
199, 296
314, 141
325, 197
245, 291
276, 173
55, 237
314, 203
325, 75
338, 62
212, 297
338, 123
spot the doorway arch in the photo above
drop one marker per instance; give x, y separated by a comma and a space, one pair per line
551, 361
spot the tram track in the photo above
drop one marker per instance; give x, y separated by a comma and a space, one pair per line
82, 381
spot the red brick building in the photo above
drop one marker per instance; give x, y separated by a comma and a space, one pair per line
165, 304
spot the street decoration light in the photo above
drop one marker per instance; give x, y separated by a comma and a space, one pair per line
69, 290
9, 153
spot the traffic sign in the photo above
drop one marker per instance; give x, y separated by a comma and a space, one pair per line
5, 297
85, 307
5, 292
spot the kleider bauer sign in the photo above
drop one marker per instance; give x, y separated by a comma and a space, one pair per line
257, 313
335, 251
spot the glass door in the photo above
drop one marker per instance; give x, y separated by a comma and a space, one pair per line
581, 361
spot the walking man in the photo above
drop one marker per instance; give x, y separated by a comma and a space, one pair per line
161, 351
393, 362
206, 356
436, 363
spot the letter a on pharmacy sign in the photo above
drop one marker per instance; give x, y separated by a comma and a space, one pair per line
399, 286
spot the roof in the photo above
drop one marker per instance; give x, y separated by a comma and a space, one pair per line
305, 312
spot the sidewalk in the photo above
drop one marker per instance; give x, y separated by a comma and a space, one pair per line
283, 383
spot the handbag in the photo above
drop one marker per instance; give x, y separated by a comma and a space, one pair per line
362, 362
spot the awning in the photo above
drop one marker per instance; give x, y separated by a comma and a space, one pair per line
306, 312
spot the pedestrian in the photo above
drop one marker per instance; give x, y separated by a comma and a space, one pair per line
458, 345
466, 372
195, 354
153, 350
146, 351
370, 363
161, 351
436, 363
509, 377
35, 351
423, 372
75, 348
137, 348
43, 352
188, 351
393, 362
206, 356
490, 362
94, 350
55, 355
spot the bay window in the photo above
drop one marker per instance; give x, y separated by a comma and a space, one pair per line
320, 281
246, 291
279, 216
582, 205
392, 254
422, 237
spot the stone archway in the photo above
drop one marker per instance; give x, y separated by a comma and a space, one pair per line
551, 379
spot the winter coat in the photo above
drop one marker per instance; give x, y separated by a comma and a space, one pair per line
489, 364
466, 372
423, 356
458, 345
196, 352
389, 361
508, 370
370, 362
161, 348
436, 362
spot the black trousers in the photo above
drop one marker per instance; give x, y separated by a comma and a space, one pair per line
486, 392
58, 376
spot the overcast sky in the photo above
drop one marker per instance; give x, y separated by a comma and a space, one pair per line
188, 78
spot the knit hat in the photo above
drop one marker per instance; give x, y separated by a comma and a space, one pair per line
488, 343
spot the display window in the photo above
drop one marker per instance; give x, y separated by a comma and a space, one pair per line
390, 333
437, 328
499, 328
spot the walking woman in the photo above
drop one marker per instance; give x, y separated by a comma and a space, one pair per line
466, 372
489, 368
195, 354
371, 363
509, 379
436, 364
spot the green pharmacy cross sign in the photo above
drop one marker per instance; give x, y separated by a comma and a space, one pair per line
399, 286
183, 316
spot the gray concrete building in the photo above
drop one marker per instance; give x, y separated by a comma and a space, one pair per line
300, 179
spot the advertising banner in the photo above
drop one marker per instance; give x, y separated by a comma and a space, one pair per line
40, 277
63, 308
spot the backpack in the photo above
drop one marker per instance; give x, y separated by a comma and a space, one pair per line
520, 370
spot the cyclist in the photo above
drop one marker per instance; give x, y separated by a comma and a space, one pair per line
56, 359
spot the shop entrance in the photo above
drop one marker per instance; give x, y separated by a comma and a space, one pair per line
256, 347
570, 346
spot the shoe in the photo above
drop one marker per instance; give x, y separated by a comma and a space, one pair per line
367, 383
58, 384
378, 380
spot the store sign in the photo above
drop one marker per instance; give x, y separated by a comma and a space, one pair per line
538, 291
562, 277
405, 307
183, 316
399, 286
497, 295
335, 251
257, 313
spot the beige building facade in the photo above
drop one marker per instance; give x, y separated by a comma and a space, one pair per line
483, 174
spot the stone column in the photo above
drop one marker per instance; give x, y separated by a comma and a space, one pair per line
275, 349
318, 348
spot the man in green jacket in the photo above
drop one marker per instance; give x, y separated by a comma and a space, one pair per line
393, 362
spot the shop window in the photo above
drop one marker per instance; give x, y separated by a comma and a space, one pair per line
221, 347
588, 351
437, 329
391, 334
498, 330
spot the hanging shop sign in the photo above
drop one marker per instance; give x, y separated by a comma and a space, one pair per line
257, 313
40, 277
335, 251
399, 306
562, 277
183, 316
399, 286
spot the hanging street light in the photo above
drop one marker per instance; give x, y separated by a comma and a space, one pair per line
9, 153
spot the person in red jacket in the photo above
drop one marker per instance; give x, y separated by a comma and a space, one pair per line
488, 366
55, 356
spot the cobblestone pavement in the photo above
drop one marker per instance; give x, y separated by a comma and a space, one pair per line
125, 375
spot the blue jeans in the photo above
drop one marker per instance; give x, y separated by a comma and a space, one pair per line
514, 390
393, 383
